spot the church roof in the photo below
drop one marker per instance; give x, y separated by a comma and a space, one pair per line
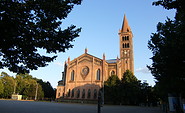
111, 61
85, 55
125, 26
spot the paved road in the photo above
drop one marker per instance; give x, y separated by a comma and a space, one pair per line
10, 106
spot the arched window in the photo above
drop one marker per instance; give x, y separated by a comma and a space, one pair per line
83, 93
95, 93
72, 93
127, 37
69, 93
123, 38
78, 93
58, 94
112, 72
123, 45
72, 75
127, 45
89, 93
98, 74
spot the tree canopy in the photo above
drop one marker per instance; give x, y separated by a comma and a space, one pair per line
128, 91
111, 89
8, 86
128, 77
167, 46
1, 87
26, 85
113, 80
28, 26
130, 88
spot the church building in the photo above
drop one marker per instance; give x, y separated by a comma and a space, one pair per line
85, 75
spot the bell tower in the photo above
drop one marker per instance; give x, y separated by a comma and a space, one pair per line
126, 47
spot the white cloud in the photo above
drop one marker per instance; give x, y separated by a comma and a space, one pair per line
143, 70
59, 64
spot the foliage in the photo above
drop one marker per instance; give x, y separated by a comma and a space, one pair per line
29, 26
149, 95
113, 80
47, 89
128, 91
128, 77
8, 83
171, 4
25, 85
1, 87
111, 89
167, 46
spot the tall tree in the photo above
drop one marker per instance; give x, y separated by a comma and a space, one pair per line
111, 89
128, 77
26, 85
8, 83
130, 88
167, 46
113, 80
28, 26
32, 88
1, 87
47, 89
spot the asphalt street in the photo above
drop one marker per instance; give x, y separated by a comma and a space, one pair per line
12, 106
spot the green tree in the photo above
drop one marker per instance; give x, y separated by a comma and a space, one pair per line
148, 95
113, 80
1, 87
47, 89
8, 83
167, 46
28, 26
128, 77
111, 89
27, 86
130, 89
20, 83
29, 90
4, 74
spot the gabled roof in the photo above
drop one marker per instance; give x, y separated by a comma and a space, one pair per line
110, 61
85, 54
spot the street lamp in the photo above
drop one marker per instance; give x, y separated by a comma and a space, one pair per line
14, 87
36, 91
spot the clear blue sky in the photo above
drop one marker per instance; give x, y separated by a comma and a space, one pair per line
100, 21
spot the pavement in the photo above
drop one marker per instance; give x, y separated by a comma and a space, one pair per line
13, 106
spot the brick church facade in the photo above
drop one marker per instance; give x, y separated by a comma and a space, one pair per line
85, 75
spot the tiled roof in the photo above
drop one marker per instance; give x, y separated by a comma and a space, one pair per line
111, 61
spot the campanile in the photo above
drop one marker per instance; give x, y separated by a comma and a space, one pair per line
126, 47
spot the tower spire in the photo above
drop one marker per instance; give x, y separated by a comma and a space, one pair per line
125, 26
